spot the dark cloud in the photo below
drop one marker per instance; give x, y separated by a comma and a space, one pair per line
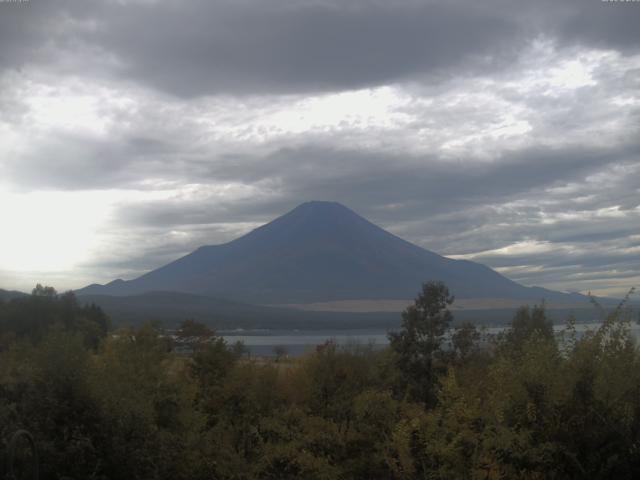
367, 180
281, 47
212, 47
248, 47
603, 24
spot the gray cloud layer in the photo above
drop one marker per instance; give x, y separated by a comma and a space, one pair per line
210, 47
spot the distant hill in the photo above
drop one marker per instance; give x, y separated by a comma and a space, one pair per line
322, 252
10, 294
171, 307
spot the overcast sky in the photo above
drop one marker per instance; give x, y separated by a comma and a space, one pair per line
132, 132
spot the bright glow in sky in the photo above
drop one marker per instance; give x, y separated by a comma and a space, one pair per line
50, 231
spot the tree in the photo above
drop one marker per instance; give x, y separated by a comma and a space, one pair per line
192, 328
46, 292
464, 340
419, 342
280, 352
32, 316
211, 362
527, 322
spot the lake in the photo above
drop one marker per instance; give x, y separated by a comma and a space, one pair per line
297, 342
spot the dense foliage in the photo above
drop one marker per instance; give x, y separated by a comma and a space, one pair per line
124, 405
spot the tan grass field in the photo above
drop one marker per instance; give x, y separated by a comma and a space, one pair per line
365, 306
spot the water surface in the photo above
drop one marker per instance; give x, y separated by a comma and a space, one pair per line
298, 342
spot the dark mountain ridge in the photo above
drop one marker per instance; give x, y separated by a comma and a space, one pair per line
10, 294
170, 308
321, 251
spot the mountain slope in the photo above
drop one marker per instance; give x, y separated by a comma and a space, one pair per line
320, 251
6, 295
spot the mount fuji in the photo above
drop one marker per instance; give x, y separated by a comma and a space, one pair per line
322, 252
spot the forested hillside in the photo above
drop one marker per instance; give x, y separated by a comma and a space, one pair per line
123, 404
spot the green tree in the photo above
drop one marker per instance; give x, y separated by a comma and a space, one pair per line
464, 340
211, 362
145, 397
192, 328
33, 316
527, 322
419, 342
44, 292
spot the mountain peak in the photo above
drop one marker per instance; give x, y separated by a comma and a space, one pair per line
314, 221
321, 204
319, 251
320, 207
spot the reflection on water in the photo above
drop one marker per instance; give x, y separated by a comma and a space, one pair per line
296, 342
